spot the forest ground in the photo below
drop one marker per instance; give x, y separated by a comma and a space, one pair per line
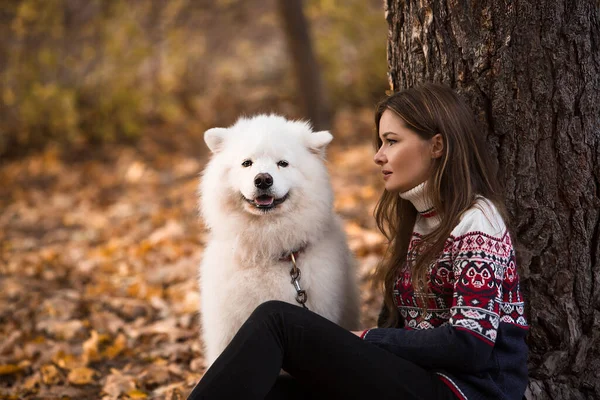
99, 248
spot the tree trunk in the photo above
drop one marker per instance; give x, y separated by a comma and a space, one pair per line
308, 78
531, 72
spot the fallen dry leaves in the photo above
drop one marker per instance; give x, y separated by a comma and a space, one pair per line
98, 258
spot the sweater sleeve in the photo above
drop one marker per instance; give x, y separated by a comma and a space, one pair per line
466, 341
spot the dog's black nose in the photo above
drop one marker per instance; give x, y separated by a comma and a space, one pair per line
263, 181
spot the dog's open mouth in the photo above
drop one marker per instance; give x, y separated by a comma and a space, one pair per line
266, 202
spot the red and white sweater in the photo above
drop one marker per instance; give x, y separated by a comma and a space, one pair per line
473, 335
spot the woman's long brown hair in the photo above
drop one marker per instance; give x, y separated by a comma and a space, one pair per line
457, 177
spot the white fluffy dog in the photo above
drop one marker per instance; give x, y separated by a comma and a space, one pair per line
265, 193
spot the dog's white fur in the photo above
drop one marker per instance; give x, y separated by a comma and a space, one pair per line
241, 265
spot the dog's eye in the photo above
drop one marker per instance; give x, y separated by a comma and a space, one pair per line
247, 163
283, 163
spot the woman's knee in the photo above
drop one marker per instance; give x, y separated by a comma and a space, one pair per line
281, 310
270, 313
270, 307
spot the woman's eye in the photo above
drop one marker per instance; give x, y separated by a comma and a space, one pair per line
283, 163
247, 163
391, 141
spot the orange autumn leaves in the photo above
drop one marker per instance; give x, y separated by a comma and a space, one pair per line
98, 263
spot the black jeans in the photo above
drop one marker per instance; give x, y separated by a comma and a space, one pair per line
323, 359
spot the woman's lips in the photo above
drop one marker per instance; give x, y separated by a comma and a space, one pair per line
386, 174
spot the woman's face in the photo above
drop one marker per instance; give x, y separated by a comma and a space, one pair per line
404, 157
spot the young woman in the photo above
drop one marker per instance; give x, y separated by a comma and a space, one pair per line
453, 323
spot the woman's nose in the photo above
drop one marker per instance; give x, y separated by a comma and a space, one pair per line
379, 157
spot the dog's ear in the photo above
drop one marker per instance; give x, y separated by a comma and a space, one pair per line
318, 141
214, 138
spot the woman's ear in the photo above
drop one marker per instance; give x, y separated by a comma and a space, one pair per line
437, 145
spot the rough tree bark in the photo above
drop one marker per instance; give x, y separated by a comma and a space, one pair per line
531, 71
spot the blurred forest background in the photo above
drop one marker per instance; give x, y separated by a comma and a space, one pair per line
103, 107
95, 71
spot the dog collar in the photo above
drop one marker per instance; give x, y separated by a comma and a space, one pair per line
288, 256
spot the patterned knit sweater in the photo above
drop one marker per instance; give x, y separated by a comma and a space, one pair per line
473, 336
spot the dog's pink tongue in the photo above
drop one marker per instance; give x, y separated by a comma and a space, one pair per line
264, 200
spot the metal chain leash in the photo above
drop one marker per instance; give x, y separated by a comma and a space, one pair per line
301, 295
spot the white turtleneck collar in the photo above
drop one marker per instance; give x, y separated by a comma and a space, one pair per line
428, 216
